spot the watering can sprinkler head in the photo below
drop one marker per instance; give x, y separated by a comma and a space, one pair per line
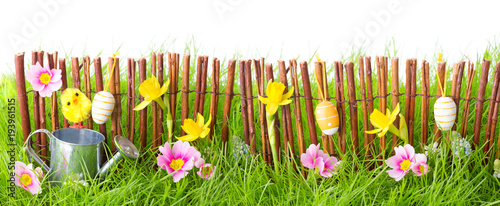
125, 149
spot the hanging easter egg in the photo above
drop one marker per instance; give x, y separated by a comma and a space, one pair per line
102, 107
327, 117
445, 113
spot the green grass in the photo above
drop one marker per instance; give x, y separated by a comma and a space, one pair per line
249, 181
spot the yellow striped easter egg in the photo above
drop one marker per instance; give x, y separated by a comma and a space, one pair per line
102, 107
445, 113
327, 117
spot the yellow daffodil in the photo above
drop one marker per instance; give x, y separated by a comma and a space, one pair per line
150, 89
383, 123
195, 130
275, 97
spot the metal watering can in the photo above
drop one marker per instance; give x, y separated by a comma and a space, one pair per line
77, 153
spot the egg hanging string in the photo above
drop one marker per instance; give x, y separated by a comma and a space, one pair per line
111, 71
443, 89
322, 91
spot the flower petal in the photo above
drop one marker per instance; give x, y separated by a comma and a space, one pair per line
264, 100
271, 108
288, 94
142, 105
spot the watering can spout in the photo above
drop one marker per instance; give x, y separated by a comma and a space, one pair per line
125, 149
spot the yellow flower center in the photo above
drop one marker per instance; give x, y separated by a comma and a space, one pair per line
26, 179
421, 169
45, 78
206, 171
177, 164
405, 165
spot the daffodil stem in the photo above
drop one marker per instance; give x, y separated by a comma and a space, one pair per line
272, 138
166, 107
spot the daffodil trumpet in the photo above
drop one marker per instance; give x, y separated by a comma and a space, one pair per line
384, 123
275, 98
195, 130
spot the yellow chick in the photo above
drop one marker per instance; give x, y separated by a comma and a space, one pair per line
76, 106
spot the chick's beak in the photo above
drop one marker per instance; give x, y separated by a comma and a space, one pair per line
75, 101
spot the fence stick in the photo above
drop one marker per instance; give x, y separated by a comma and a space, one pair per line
36, 105
262, 113
99, 87
201, 106
244, 110
411, 129
185, 90
495, 117
308, 101
369, 94
199, 65
161, 130
54, 111
249, 97
227, 102
353, 105
489, 134
465, 114
43, 118
214, 99
287, 120
454, 79
62, 67
424, 122
88, 88
21, 95
130, 100
458, 89
480, 101
263, 83
339, 79
143, 119
270, 76
364, 105
395, 94
154, 108
381, 93
297, 110
441, 70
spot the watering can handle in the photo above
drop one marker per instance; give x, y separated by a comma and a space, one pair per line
29, 142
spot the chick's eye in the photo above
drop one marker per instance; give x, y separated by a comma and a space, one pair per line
76, 94
68, 103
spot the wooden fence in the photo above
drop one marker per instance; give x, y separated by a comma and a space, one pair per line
285, 127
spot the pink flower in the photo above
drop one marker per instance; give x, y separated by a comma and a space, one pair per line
206, 169
314, 158
178, 160
44, 80
27, 178
420, 167
401, 162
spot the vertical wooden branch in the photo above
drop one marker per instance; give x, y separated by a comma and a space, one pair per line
454, 79
424, 122
62, 67
203, 89
411, 123
130, 99
143, 119
308, 101
88, 89
199, 65
244, 109
262, 113
21, 95
441, 72
36, 105
161, 130
488, 135
99, 87
185, 90
286, 110
382, 99
43, 117
277, 141
395, 94
297, 109
458, 89
227, 102
339, 79
480, 101
54, 111
364, 105
353, 105
154, 108
112, 90
214, 99
369, 94
465, 115
250, 113
495, 116
118, 101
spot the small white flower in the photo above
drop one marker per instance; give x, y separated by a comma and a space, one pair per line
434, 149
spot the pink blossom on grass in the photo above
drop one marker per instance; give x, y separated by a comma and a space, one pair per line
178, 160
206, 169
401, 162
27, 178
322, 163
420, 167
44, 80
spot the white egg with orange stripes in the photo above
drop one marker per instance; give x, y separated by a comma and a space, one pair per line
445, 113
102, 107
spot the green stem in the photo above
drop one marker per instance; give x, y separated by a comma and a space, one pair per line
272, 137
169, 120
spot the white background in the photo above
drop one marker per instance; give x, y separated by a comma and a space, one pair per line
253, 28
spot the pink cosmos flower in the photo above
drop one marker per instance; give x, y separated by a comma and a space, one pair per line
178, 160
206, 169
44, 80
401, 162
27, 178
420, 167
314, 158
